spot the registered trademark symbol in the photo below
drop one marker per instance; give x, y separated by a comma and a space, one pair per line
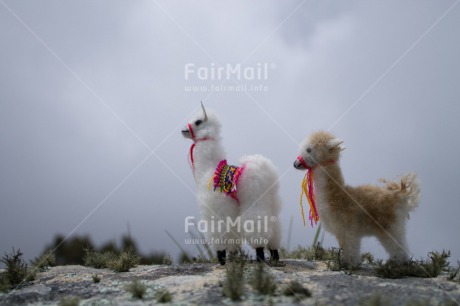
273, 219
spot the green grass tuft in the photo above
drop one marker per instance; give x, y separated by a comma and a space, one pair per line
262, 281
368, 257
454, 273
4, 283
283, 252
301, 253
233, 286
163, 296
124, 261
379, 300
121, 262
335, 262
316, 252
69, 301
97, 278
16, 268
44, 261
437, 263
333, 256
417, 303
31, 275
167, 260
295, 289
375, 300
200, 259
238, 256
137, 289
98, 260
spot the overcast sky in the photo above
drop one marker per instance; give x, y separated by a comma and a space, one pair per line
93, 95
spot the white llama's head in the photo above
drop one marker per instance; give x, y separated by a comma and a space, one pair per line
321, 147
204, 125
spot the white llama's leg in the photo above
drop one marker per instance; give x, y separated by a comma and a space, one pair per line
274, 240
275, 231
255, 224
219, 215
258, 195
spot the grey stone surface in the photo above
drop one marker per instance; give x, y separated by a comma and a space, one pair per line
200, 284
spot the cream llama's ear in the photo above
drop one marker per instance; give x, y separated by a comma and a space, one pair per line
334, 143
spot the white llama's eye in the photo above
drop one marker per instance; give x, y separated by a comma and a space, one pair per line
198, 122
308, 150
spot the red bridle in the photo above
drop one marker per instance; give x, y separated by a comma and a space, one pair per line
192, 147
191, 132
302, 162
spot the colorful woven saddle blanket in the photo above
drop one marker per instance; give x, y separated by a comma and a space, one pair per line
226, 179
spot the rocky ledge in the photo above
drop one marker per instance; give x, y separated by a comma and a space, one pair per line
201, 284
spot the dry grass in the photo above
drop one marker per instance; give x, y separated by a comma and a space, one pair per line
137, 289
163, 296
262, 281
121, 262
69, 301
295, 289
233, 286
44, 261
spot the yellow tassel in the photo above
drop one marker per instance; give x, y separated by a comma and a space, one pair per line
314, 212
209, 183
308, 194
304, 191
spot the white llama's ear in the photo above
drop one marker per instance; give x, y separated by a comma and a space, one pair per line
334, 143
204, 112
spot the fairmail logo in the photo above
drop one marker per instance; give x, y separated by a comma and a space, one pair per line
238, 72
226, 225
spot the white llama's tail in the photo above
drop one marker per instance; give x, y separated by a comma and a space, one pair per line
408, 190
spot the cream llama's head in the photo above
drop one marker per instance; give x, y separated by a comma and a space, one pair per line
321, 147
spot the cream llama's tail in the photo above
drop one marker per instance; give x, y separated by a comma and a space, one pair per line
408, 189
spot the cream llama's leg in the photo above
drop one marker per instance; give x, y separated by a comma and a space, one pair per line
394, 242
351, 246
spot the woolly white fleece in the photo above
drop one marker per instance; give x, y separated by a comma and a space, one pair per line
257, 191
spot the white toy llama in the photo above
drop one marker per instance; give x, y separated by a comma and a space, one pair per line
238, 203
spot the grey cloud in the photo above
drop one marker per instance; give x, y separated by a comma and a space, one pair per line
62, 151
